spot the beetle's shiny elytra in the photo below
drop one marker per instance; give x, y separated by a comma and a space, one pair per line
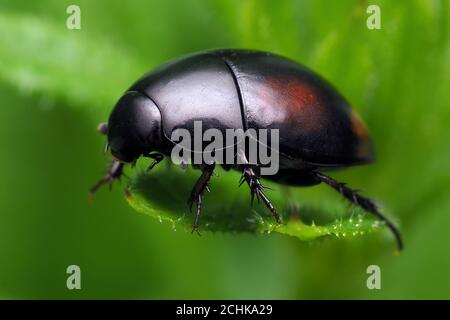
242, 89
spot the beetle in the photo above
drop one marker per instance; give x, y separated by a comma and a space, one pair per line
241, 89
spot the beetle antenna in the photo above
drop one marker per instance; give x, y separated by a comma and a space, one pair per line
354, 197
103, 128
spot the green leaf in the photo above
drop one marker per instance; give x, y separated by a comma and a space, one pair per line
73, 67
162, 194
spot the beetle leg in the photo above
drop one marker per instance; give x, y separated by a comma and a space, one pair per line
368, 205
114, 172
157, 158
197, 192
256, 188
196, 226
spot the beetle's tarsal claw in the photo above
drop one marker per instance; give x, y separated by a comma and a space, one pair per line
157, 158
151, 166
95, 188
196, 229
242, 180
197, 192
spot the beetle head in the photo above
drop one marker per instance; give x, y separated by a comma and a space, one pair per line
134, 127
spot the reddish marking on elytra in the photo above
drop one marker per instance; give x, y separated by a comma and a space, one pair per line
299, 99
359, 128
301, 94
293, 93
358, 125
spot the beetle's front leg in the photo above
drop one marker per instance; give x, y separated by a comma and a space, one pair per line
197, 194
157, 158
114, 172
256, 188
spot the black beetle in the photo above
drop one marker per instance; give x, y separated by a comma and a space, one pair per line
318, 130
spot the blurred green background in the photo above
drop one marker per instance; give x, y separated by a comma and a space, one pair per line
57, 84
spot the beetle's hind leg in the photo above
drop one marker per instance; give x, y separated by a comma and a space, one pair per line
365, 203
256, 188
114, 172
197, 192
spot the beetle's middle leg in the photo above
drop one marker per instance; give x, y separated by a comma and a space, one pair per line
256, 188
197, 194
157, 158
